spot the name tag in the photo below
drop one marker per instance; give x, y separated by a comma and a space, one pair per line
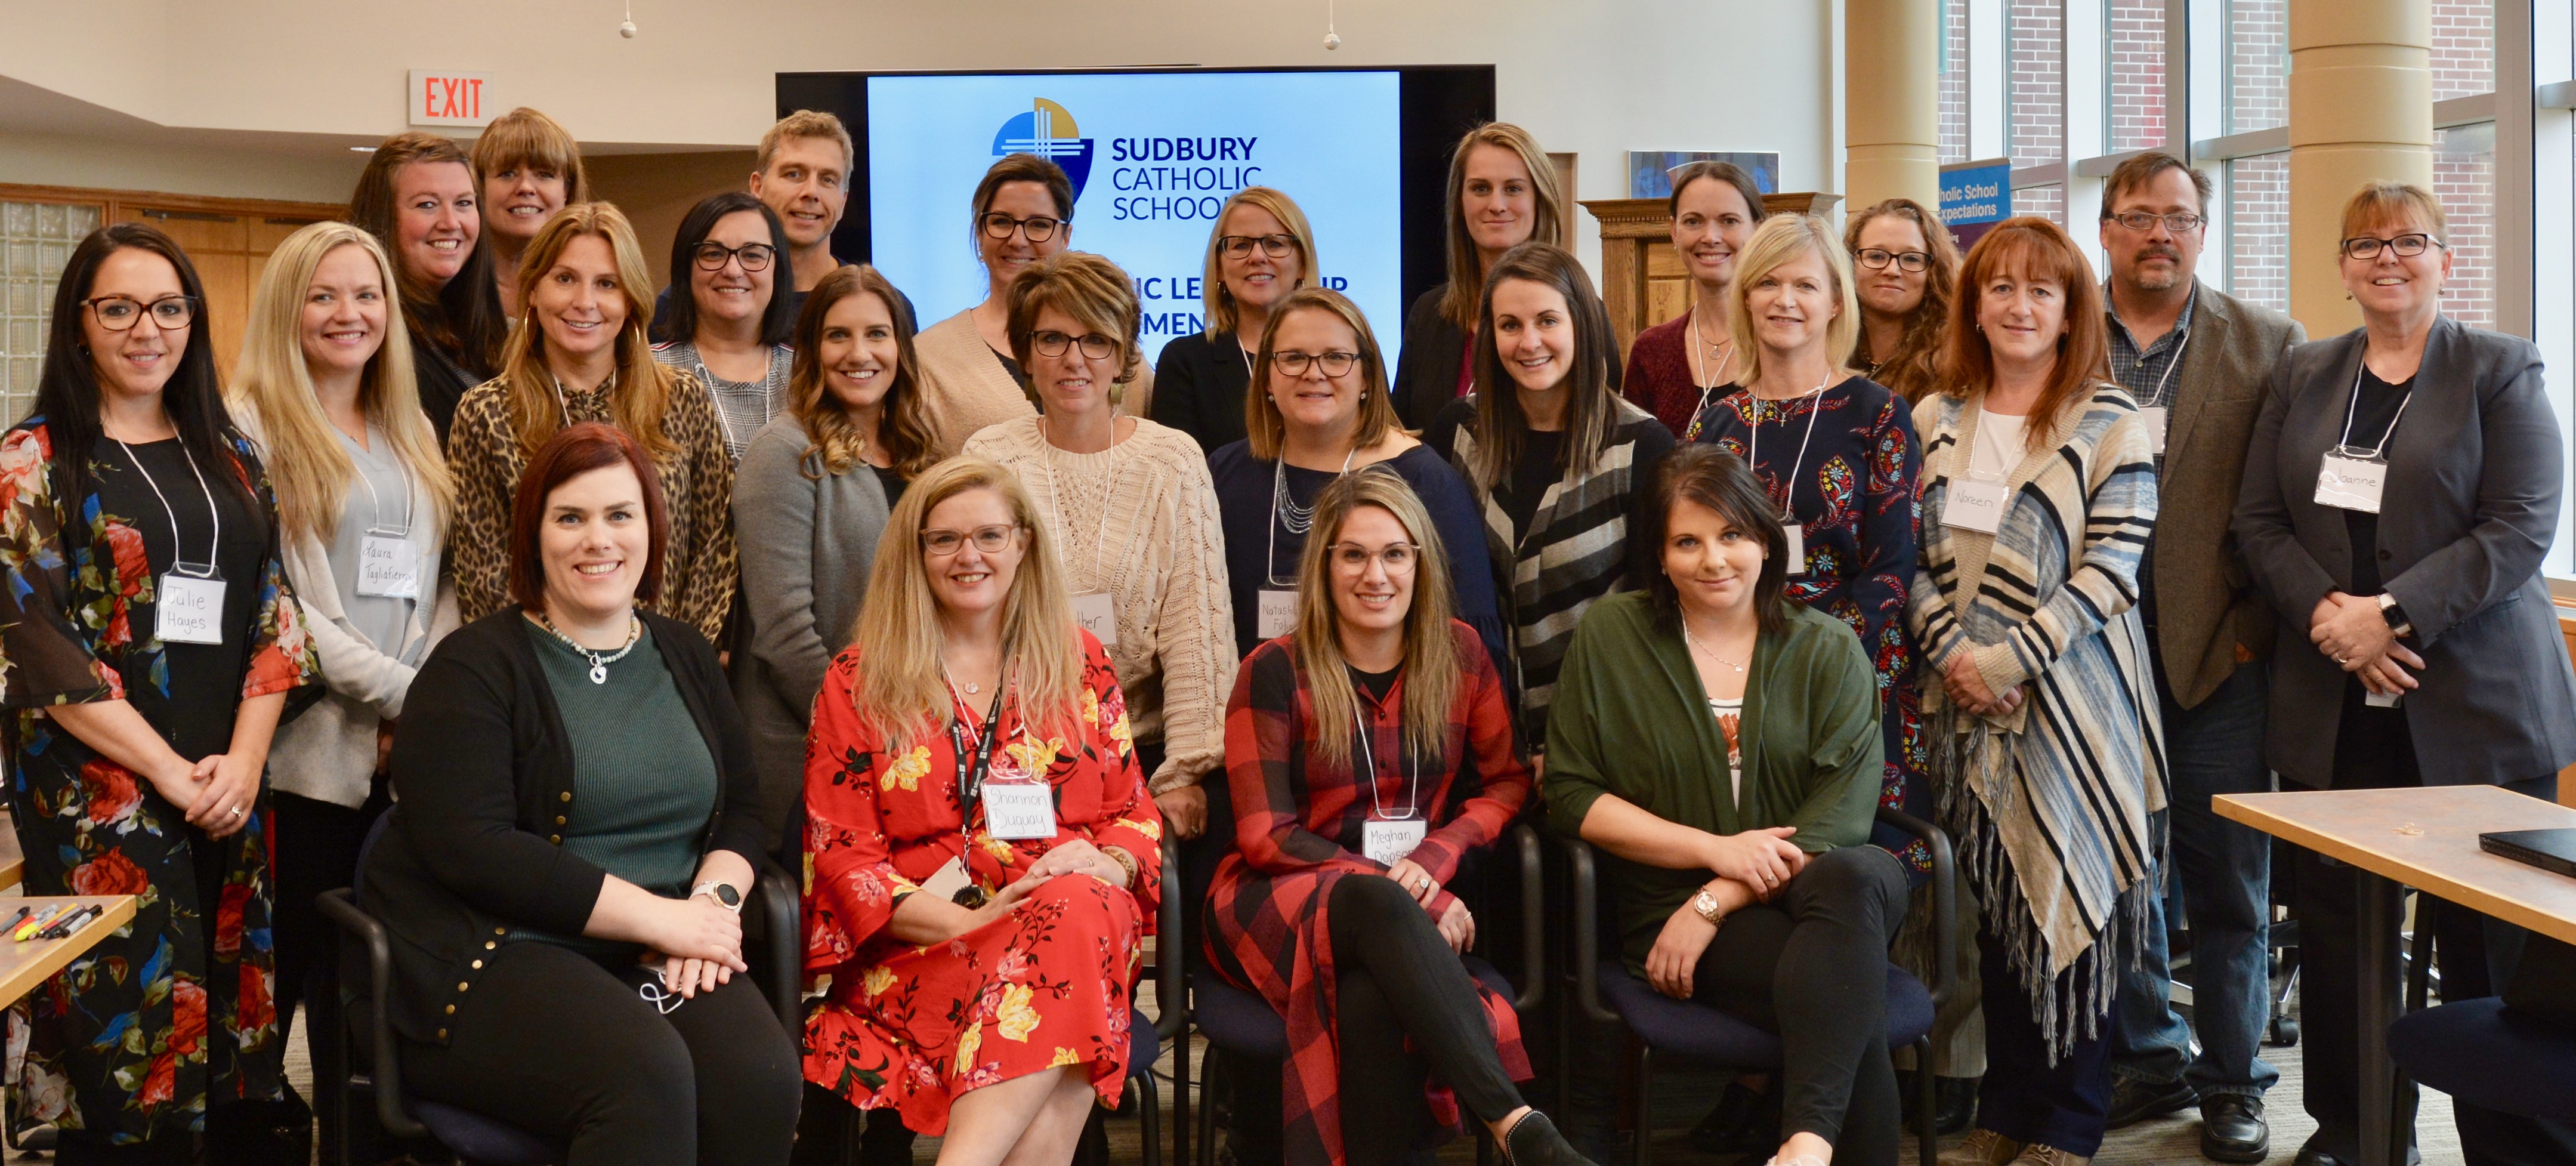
1019, 811
388, 568
1797, 532
1383, 842
2382, 700
2155, 417
1097, 615
2348, 482
1278, 614
189, 610
1976, 504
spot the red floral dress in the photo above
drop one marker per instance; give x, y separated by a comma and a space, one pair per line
1046, 986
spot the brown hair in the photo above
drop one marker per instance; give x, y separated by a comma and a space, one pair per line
1458, 300
1261, 421
643, 393
1711, 477
1087, 287
1019, 168
1592, 384
903, 419
2382, 202
1914, 369
465, 316
1434, 658
2140, 169
1726, 172
806, 123
577, 450
2030, 248
525, 137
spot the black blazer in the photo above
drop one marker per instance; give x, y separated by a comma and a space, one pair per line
1426, 372
483, 771
1199, 386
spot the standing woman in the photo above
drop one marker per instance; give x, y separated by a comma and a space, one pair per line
1130, 503
582, 356
730, 328
2047, 745
1557, 459
142, 726
529, 167
1677, 367
363, 501
973, 377
1909, 269
1502, 193
1259, 251
2427, 590
418, 197
810, 502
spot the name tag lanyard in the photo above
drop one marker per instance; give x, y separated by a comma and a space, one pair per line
2156, 414
1789, 524
1413, 786
178, 558
2352, 406
1691, 432
1099, 537
970, 782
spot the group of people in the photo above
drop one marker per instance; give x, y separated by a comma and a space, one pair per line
563, 613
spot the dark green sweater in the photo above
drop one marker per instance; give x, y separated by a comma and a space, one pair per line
1630, 718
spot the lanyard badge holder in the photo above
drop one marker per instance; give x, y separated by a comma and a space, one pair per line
388, 561
1014, 811
1976, 501
2157, 415
188, 606
950, 881
1795, 531
2350, 477
1386, 838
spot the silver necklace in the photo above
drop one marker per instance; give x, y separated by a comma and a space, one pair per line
599, 662
1704, 649
1298, 519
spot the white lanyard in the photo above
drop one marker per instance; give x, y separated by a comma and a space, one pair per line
214, 542
1100, 537
768, 386
1753, 444
1707, 390
2354, 403
2175, 363
376, 506
1298, 523
1412, 789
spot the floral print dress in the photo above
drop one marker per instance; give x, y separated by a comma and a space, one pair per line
1046, 986
140, 1034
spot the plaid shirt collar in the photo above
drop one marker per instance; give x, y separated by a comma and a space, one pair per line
2147, 374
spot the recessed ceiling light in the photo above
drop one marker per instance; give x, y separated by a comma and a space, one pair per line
363, 149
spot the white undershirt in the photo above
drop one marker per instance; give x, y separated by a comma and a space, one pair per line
1999, 445
1730, 715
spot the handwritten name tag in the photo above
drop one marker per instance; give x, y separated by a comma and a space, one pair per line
189, 610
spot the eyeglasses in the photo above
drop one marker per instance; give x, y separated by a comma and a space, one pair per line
1094, 345
1039, 228
1239, 246
1335, 363
711, 256
1877, 259
2408, 245
118, 313
1353, 559
989, 539
2179, 222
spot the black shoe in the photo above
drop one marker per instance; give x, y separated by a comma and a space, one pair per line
1533, 1141
2134, 1101
1956, 1104
1742, 1122
2232, 1128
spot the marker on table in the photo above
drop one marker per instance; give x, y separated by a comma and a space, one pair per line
30, 927
72, 922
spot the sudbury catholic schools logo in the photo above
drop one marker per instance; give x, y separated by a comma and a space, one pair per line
1047, 130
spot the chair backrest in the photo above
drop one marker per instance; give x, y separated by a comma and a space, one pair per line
375, 833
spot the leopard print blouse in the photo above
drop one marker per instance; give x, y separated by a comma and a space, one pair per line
698, 559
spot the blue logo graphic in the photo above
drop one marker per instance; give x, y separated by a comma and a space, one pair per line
1047, 130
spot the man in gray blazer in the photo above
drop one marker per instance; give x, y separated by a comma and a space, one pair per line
2197, 362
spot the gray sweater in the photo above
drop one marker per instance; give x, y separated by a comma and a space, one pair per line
807, 547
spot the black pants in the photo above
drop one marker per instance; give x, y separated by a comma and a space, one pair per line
316, 851
1812, 966
2064, 1103
565, 1049
1395, 979
2374, 749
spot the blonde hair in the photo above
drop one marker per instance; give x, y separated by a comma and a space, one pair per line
904, 428
526, 137
1217, 299
1432, 659
300, 448
1780, 240
643, 386
1262, 424
1094, 291
901, 690
2392, 202
806, 123
1458, 300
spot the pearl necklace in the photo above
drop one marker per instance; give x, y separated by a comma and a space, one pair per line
599, 662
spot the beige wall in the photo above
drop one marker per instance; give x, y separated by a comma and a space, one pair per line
657, 190
213, 170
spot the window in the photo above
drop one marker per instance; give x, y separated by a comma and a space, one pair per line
2038, 82
2258, 64
2134, 75
2048, 202
36, 242
2463, 48
1955, 63
2258, 236
2464, 178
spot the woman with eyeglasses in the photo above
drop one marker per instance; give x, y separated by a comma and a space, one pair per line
418, 197
2403, 483
730, 329
1503, 192
1023, 214
151, 639
1259, 251
1908, 270
982, 861
1131, 507
1677, 367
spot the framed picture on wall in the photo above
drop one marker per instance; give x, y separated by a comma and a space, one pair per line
1650, 172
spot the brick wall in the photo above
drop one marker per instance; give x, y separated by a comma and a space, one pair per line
2258, 75
2464, 179
2463, 48
2134, 70
1955, 63
2258, 208
2038, 84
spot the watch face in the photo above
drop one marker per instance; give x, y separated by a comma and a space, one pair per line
728, 896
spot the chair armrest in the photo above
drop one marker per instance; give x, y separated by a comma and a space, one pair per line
1583, 889
1171, 995
781, 908
1533, 920
1945, 904
341, 908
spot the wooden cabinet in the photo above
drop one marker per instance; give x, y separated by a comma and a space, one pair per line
229, 240
1642, 280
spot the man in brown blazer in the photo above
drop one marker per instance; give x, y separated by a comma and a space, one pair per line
2196, 360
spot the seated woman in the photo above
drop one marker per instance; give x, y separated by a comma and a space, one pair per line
577, 817
1722, 745
1332, 905
976, 964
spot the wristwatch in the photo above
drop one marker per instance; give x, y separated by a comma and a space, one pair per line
725, 896
1704, 904
2395, 615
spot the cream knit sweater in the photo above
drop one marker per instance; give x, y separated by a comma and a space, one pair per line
1139, 521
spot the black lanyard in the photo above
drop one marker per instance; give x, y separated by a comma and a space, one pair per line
970, 785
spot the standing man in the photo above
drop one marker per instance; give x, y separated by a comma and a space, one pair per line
2196, 359
804, 176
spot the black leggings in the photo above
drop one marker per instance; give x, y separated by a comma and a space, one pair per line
563, 1048
1811, 965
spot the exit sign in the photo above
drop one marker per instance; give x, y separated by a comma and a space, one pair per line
443, 98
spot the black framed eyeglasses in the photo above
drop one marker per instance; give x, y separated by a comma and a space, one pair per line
119, 313
2408, 245
1335, 363
711, 256
989, 539
1094, 345
1877, 259
1039, 228
1240, 246
2179, 222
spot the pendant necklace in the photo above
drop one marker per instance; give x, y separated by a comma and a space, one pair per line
1704, 649
599, 661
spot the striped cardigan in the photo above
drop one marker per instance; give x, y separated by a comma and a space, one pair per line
2050, 804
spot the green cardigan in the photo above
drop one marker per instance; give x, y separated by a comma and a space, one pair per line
1631, 719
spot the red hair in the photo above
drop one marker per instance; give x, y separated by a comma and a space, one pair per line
570, 453
2030, 248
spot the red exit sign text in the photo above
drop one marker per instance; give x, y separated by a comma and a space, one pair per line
441, 97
